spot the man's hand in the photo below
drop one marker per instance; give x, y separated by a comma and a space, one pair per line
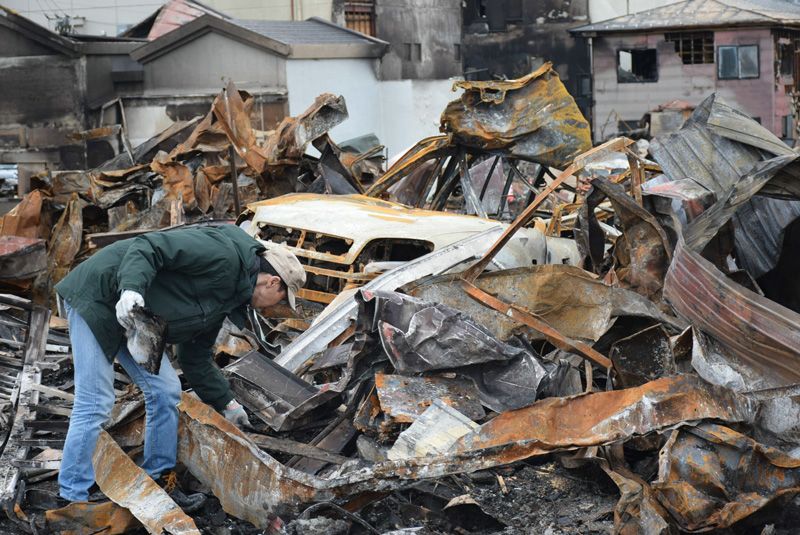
235, 414
125, 305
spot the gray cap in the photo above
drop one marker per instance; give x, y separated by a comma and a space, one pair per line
288, 268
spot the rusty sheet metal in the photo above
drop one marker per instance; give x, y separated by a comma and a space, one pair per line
290, 139
711, 476
28, 219
533, 118
89, 518
129, 486
752, 328
607, 417
406, 398
642, 253
66, 239
570, 299
261, 487
550, 334
232, 109
21, 258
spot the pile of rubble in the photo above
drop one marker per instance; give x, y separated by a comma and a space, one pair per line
622, 356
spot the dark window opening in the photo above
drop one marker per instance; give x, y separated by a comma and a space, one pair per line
693, 47
637, 65
737, 62
457, 51
513, 10
585, 85
359, 15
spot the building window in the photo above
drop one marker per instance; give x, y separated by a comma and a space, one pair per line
412, 51
693, 47
457, 51
359, 15
637, 65
737, 62
514, 11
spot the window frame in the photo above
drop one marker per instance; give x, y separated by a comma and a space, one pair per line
739, 62
620, 81
678, 39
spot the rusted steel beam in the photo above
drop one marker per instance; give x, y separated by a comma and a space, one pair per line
129, 486
261, 487
614, 145
526, 318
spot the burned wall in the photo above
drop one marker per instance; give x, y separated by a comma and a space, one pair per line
511, 38
424, 37
43, 102
619, 103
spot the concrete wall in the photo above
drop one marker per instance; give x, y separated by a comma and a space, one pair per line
399, 112
206, 63
433, 24
630, 101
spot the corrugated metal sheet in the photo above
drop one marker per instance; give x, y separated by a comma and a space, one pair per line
718, 147
751, 327
701, 13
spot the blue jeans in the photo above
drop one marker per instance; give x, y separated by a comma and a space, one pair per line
94, 399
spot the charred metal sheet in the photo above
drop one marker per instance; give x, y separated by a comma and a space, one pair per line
532, 118
320, 334
21, 258
642, 252
129, 486
269, 390
292, 136
425, 150
419, 336
644, 356
433, 432
606, 417
711, 477
23, 398
752, 328
571, 300
406, 398
637, 512
718, 147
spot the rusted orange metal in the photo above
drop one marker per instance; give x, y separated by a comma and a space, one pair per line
606, 417
261, 487
424, 150
711, 477
526, 318
129, 486
533, 118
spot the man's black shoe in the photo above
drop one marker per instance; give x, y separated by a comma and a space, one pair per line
189, 503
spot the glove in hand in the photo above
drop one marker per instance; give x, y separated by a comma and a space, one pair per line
235, 414
125, 305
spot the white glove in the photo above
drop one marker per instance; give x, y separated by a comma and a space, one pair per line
235, 414
125, 305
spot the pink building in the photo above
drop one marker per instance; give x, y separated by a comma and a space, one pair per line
745, 50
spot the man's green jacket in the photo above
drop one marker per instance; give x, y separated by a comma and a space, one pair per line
192, 278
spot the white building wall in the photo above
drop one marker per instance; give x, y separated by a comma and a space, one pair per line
273, 9
399, 112
600, 10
